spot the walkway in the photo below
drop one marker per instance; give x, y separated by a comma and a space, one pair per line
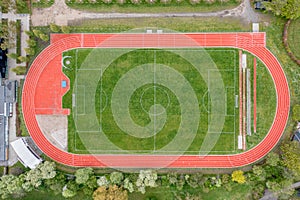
59, 13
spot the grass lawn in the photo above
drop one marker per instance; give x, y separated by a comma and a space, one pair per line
42, 3
294, 37
165, 193
49, 195
179, 24
157, 7
86, 129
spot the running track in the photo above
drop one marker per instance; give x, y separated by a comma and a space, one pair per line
42, 94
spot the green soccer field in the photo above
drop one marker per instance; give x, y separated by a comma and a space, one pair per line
155, 101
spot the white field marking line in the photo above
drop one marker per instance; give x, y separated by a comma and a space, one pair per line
149, 152
75, 109
100, 107
234, 121
226, 95
83, 113
203, 101
87, 69
154, 81
164, 49
234, 53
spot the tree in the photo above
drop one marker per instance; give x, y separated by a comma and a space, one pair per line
172, 178
291, 156
34, 178
111, 193
37, 32
44, 37
238, 176
31, 43
19, 70
29, 33
289, 9
47, 170
23, 59
82, 175
102, 181
272, 159
68, 193
30, 51
146, 178
196, 180
10, 185
128, 185
66, 29
259, 172
57, 183
116, 178
296, 112
54, 28
12, 55
70, 189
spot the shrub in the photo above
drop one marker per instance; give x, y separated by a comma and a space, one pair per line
31, 43
135, 1
65, 29
54, 28
19, 70
107, 1
150, 1
121, 2
296, 112
37, 32
209, 1
44, 37
30, 51
165, 1
194, 2
12, 55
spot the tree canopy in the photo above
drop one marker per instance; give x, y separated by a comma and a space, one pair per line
289, 9
111, 193
238, 176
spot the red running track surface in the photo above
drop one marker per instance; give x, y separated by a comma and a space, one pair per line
42, 94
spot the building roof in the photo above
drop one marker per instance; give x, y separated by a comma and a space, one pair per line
25, 154
7, 96
2, 139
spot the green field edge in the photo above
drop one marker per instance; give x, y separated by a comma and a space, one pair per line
173, 7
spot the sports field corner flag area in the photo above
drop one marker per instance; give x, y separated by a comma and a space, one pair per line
43, 95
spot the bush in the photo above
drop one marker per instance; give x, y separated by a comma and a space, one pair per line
107, 1
168, 1
238, 176
37, 33
121, 2
19, 70
296, 112
30, 51
31, 43
23, 59
12, 55
150, 1
44, 37
194, 2
135, 1
66, 29
54, 28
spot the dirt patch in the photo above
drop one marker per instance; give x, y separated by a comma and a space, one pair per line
55, 128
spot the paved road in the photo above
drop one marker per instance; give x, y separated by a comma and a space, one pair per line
60, 14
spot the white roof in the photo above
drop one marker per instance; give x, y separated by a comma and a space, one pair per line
25, 155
